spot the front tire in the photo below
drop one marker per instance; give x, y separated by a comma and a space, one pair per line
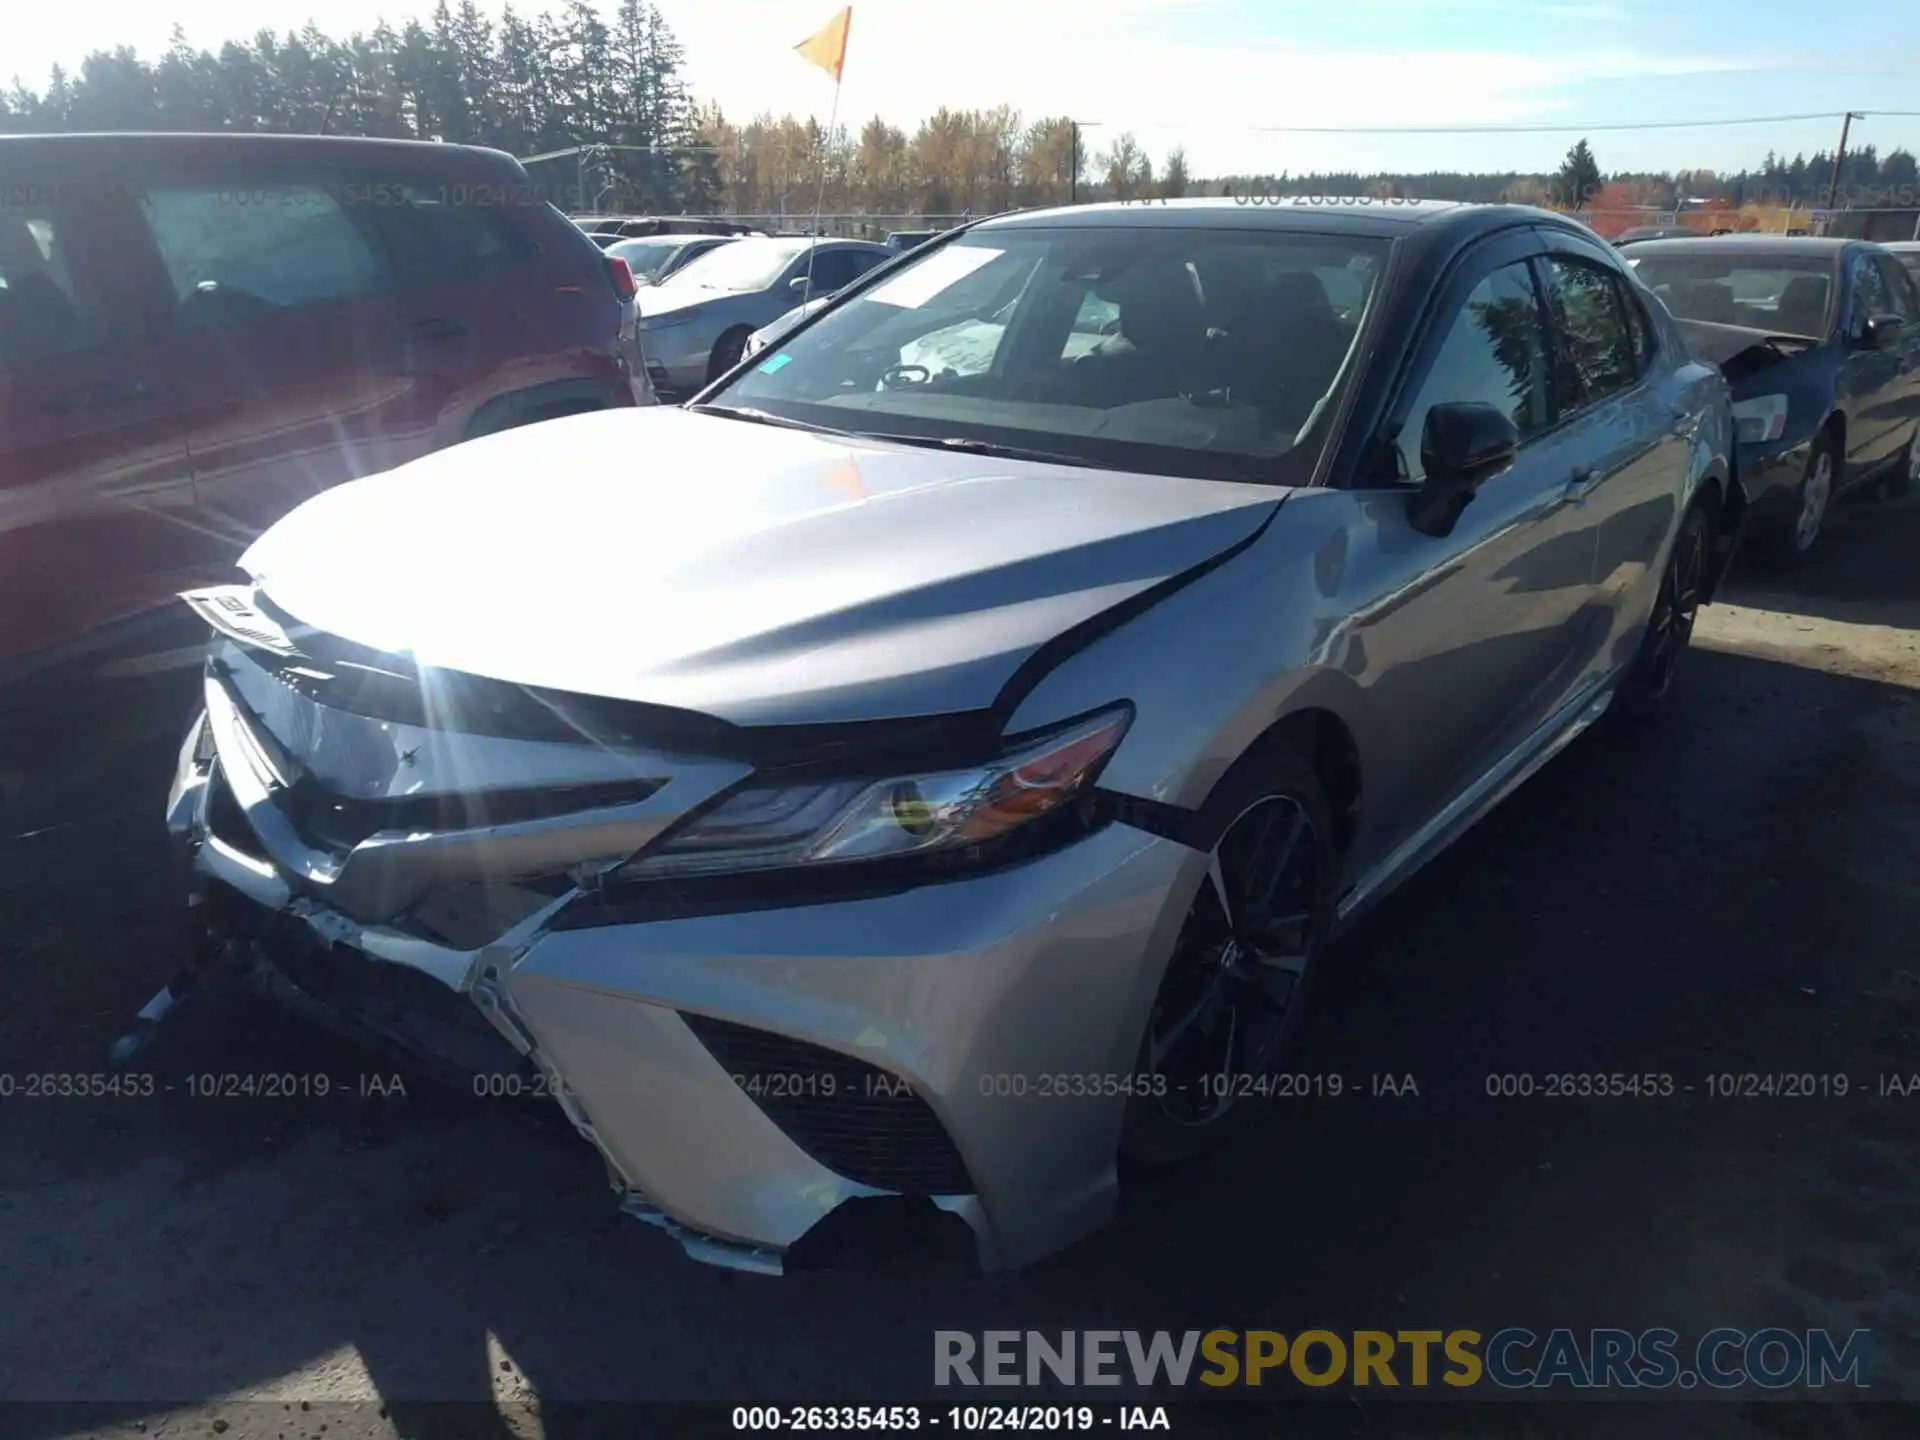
727, 353
1237, 985
1789, 544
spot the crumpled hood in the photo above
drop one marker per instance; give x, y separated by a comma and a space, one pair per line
758, 574
1740, 351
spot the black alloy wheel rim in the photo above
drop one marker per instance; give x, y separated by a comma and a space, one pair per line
1235, 975
1676, 608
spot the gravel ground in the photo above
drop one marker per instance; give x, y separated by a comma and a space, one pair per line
1735, 893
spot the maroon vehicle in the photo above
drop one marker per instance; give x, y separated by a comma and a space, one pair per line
198, 332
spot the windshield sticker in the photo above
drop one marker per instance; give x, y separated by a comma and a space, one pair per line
768, 367
932, 275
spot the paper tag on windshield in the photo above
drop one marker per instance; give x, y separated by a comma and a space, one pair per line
932, 275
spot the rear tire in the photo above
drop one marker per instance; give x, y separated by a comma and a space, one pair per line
1647, 691
1238, 983
727, 352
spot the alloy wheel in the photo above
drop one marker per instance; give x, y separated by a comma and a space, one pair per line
1237, 970
1676, 607
1815, 493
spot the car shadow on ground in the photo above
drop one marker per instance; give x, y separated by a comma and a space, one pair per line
1863, 570
1727, 893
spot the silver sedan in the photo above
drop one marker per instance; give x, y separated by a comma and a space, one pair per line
941, 774
695, 324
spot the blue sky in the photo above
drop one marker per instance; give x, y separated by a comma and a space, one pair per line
1205, 73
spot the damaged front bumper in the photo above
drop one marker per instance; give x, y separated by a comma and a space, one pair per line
744, 1072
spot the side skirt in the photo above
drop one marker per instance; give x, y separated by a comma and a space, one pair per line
1559, 731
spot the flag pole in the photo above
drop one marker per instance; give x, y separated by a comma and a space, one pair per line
820, 198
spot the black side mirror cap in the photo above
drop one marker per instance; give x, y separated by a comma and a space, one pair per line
1882, 332
1463, 444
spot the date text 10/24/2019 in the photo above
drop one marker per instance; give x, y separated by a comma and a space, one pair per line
872, 1419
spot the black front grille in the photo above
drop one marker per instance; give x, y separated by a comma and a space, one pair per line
396, 1002
336, 822
854, 1118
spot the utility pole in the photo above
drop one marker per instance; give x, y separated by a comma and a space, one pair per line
1073, 175
1833, 183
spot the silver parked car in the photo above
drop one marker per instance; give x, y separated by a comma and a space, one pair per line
696, 323
654, 259
943, 777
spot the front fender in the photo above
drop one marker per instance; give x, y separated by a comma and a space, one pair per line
1216, 664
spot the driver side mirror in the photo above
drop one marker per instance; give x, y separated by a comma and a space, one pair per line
798, 285
1881, 332
1463, 445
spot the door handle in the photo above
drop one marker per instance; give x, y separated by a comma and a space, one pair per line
436, 328
1580, 485
106, 394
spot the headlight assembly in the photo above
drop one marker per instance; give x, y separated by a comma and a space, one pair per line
833, 822
651, 323
1760, 419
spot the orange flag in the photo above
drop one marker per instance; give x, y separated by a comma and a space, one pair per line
828, 49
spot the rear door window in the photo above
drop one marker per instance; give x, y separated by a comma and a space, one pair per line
240, 253
1596, 344
833, 269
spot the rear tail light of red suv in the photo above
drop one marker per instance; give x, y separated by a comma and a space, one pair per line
622, 276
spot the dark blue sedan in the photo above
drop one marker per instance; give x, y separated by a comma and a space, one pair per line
1820, 341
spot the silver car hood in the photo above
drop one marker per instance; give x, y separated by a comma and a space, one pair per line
671, 297
759, 574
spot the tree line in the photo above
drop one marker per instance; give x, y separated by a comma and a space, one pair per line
565, 78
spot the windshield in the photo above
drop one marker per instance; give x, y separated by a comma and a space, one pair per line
1790, 294
1204, 351
740, 266
645, 257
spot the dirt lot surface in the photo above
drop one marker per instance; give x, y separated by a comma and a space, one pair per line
1736, 893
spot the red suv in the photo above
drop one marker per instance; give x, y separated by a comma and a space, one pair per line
197, 332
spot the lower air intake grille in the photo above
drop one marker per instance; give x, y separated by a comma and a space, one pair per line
854, 1118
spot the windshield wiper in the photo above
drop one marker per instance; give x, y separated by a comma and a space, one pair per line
987, 447
765, 417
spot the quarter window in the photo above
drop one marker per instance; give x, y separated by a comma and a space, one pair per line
1596, 338
1495, 353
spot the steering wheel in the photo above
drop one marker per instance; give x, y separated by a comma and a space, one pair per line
894, 377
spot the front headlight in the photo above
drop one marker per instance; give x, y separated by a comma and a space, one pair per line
649, 324
840, 821
1760, 419
756, 342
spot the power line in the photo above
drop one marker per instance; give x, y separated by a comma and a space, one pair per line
1565, 129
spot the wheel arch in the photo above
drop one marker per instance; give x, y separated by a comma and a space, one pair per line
548, 401
1324, 740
